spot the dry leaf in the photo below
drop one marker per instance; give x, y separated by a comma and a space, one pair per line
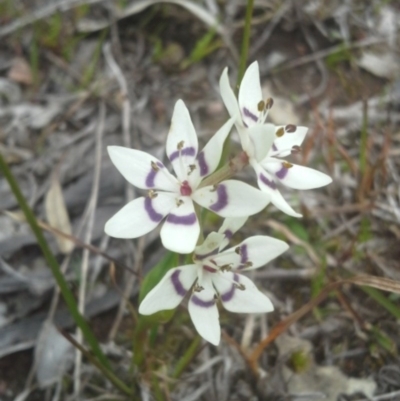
57, 215
20, 71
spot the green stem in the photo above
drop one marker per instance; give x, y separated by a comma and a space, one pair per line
238, 163
53, 264
186, 358
245, 41
94, 361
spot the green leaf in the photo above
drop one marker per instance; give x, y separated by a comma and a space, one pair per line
204, 46
154, 276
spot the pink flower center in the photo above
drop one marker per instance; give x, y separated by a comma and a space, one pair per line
209, 269
185, 189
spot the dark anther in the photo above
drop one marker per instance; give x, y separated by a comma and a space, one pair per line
240, 287
238, 250
290, 128
261, 105
198, 288
152, 194
180, 145
296, 149
154, 166
226, 268
287, 165
269, 103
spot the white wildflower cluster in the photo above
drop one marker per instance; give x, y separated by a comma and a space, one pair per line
216, 272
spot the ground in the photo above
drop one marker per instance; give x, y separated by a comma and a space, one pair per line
76, 76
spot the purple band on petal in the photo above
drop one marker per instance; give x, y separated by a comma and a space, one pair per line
202, 164
222, 199
282, 173
249, 114
152, 175
186, 220
227, 296
203, 304
228, 234
151, 212
189, 151
244, 255
206, 255
179, 288
267, 182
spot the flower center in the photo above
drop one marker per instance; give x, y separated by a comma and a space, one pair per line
185, 189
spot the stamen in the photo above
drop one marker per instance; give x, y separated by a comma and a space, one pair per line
197, 288
226, 268
248, 264
214, 188
290, 128
152, 194
296, 149
269, 103
179, 202
239, 286
261, 106
287, 165
192, 167
180, 145
280, 132
154, 166
238, 250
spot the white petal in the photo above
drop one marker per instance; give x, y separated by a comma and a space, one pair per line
247, 300
229, 227
250, 94
140, 216
204, 314
297, 177
267, 184
209, 158
262, 137
228, 96
136, 167
181, 228
170, 291
252, 253
231, 199
232, 224
210, 245
283, 145
181, 134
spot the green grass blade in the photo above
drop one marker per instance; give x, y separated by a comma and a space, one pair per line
382, 300
53, 264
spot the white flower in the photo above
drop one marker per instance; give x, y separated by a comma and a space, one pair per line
216, 273
265, 143
172, 197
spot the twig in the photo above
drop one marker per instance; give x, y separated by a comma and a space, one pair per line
85, 258
360, 280
288, 65
47, 11
320, 65
270, 28
129, 192
75, 240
